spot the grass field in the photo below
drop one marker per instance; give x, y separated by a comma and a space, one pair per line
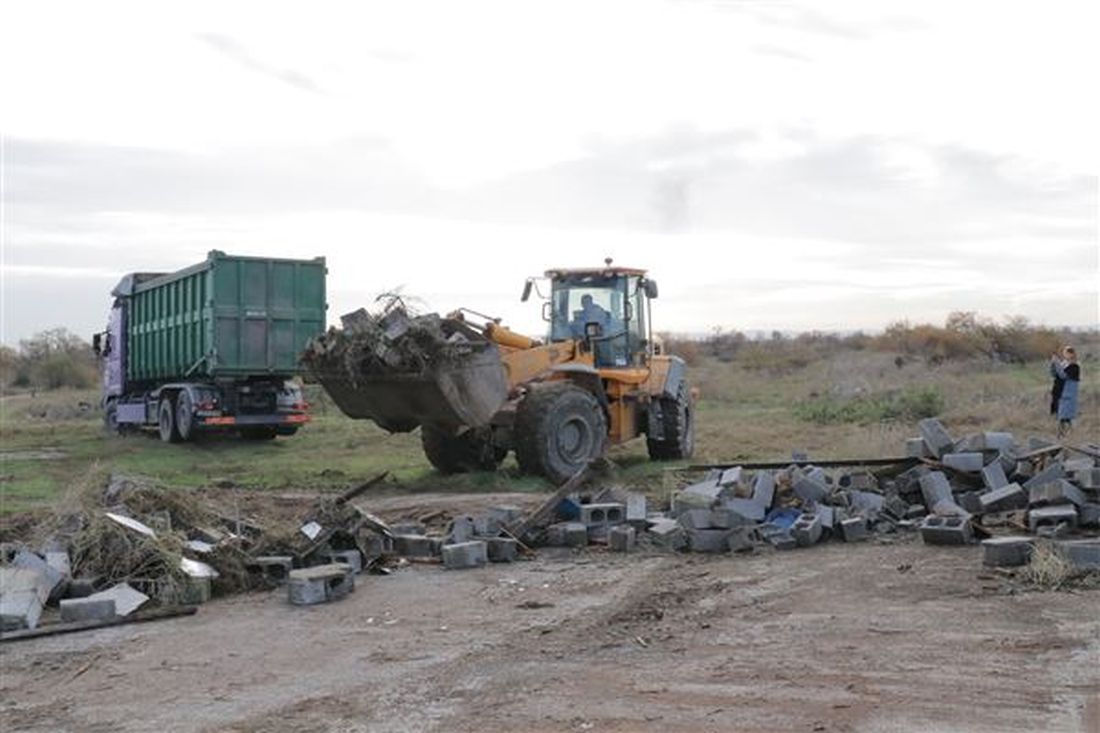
848, 404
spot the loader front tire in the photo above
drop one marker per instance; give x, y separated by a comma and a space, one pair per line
559, 428
472, 450
678, 422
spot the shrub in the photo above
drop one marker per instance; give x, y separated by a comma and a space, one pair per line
909, 405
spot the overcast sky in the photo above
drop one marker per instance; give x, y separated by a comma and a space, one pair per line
818, 165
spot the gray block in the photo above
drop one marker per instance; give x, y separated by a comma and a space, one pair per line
730, 477
993, 475
416, 545
970, 501
460, 529
126, 598
462, 555
31, 561
781, 540
486, 525
742, 539
505, 513
806, 530
866, 503
763, 489
896, 506
87, 609
917, 448
567, 534
1081, 554
708, 540
854, 529
696, 519
1073, 465
276, 567
1089, 479
635, 507
858, 480
1052, 516
811, 489
946, 531
666, 533
1058, 491
1088, 515
747, 508
407, 527
1007, 552
319, 584
1003, 499
621, 538
602, 515
935, 488
501, 549
1048, 474
826, 514
964, 462
704, 494
352, 558
936, 437
724, 518
19, 610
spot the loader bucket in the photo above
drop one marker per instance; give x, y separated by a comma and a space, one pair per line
466, 393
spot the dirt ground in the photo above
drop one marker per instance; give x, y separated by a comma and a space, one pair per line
874, 637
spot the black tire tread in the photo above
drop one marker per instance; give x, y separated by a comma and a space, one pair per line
533, 422
470, 451
678, 415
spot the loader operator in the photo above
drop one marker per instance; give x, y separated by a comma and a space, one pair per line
590, 312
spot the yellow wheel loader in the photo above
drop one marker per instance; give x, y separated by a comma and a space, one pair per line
599, 379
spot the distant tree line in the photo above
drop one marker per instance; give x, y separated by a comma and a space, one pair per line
49, 360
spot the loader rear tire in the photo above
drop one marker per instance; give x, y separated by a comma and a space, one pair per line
472, 450
559, 428
678, 421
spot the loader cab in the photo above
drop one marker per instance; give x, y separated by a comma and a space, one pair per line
607, 309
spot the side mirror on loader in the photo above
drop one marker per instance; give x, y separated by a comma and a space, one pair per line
526, 291
651, 289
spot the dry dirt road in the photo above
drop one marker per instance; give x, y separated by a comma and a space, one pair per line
873, 637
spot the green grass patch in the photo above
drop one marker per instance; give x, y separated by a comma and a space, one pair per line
909, 404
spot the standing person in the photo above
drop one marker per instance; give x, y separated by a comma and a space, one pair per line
1069, 371
1056, 388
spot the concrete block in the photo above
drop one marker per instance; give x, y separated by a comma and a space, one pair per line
567, 534
460, 529
858, 480
742, 539
946, 531
964, 462
1073, 465
464, 555
1004, 499
915, 511
993, 475
806, 530
31, 561
126, 598
935, 488
19, 610
407, 527
505, 513
1007, 552
1088, 515
731, 477
826, 514
501, 549
811, 489
970, 501
708, 540
866, 503
917, 448
319, 584
936, 437
854, 529
704, 494
1081, 554
80, 588
1089, 479
697, 519
635, 507
349, 557
666, 533
747, 508
486, 525
763, 489
602, 515
1021, 470
195, 591
276, 567
416, 545
780, 539
621, 538
896, 506
59, 561
1052, 516
1058, 491
1034, 442
1051, 473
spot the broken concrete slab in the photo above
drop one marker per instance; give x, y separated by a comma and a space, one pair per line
23, 593
319, 584
854, 529
31, 561
1052, 516
86, 609
126, 598
621, 538
1004, 499
463, 555
1007, 552
937, 530
730, 477
666, 533
936, 437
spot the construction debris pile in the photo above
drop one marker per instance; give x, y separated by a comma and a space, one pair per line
389, 342
133, 545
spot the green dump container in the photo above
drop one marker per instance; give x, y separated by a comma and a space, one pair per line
228, 317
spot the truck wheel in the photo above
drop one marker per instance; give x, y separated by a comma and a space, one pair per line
110, 418
166, 421
473, 450
678, 421
559, 428
185, 416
